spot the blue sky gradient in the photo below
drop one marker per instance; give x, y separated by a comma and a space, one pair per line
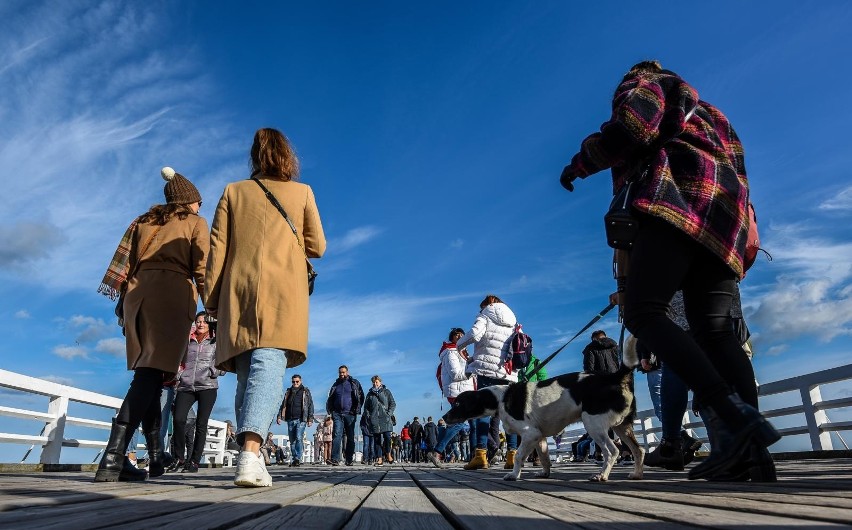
433, 135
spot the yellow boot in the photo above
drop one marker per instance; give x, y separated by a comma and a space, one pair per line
479, 460
510, 459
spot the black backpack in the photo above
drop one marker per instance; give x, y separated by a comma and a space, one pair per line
520, 349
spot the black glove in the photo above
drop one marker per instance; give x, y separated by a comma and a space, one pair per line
567, 179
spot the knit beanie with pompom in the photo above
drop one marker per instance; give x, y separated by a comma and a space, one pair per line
178, 189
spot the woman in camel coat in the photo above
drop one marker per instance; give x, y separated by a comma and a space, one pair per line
257, 288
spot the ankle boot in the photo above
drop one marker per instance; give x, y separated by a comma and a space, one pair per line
668, 455
479, 460
114, 466
757, 465
730, 445
690, 445
510, 459
151, 428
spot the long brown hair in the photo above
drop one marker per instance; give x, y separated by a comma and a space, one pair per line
490, 299
273, 155
159, 214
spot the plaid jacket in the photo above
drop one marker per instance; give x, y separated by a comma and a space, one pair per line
696, 178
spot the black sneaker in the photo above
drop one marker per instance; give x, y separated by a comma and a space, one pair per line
190, 467
350, 463
296, 463
335, 462
176, 465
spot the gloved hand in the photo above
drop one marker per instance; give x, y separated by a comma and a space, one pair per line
567, 178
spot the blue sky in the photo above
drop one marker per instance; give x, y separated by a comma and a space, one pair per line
433, 135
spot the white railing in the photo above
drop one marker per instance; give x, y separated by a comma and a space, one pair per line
52, 437
807, 388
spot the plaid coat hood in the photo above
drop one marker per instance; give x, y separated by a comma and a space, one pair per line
696, 178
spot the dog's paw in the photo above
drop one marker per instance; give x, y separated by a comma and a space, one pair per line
510, 476
543, 474
635, 476
597, 478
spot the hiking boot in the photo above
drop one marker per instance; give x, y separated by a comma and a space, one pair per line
479, 460
435, 458
251, 472
510, 459
730, 444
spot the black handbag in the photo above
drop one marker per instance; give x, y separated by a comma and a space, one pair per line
312, 274
619, 222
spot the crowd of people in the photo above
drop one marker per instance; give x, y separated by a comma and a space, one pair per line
677, 153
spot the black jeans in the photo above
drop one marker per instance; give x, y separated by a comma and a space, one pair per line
183, 402
710, 360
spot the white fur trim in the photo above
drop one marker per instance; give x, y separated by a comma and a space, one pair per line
167, 173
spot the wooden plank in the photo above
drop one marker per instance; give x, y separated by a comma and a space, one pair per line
474, 509
328, 508
397, 502
243, 504
578, 513
611, 495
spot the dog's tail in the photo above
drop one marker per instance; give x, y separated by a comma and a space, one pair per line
630, 355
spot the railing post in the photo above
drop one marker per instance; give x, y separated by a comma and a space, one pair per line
54, 430
649, 437
820, 441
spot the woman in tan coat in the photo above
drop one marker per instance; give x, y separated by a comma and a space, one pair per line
258, 288
159, 266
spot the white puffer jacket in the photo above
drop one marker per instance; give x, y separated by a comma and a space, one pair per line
490, 333
454, 379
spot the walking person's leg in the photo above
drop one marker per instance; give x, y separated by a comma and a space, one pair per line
349, 424
206, 400
337, 438
183, 402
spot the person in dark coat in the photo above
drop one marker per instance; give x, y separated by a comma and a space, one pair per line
345, 399
430, 434
379, 407
691, 207
416, 432
601, 355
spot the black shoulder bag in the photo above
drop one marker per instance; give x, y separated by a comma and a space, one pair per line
312, 274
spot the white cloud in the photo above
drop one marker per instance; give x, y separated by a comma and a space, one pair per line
90, 328
71, 352
457, 244
22, 314
777, 350
25, 242
842, 201
58, 379
353, 238
114, 346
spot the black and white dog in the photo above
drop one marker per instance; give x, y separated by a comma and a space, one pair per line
541, 409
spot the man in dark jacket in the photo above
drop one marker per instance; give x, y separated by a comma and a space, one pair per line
344, 403
415, 430
430, 434
297, 410
601, 355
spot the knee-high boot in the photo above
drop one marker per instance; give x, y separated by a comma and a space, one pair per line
114, 466
151, 429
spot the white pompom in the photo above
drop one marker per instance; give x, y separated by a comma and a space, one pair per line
167, 173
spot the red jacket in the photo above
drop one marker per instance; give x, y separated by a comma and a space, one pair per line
404, 434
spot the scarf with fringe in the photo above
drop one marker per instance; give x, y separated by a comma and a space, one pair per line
115, 278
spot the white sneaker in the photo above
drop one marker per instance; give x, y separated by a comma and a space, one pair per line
250, 471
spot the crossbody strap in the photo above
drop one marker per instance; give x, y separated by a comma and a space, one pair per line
280, 208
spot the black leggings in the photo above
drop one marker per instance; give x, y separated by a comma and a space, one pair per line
711, 361
142, 402
183, 402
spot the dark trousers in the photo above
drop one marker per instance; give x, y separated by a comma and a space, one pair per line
142, 398
344, 425
709, 358
381, 444
183, 402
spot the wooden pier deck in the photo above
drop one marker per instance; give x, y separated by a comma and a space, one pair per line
810, 493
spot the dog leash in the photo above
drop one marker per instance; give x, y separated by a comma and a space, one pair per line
599, 316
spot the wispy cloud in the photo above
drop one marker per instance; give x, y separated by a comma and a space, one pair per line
71, 352
811, 296
114, 346
840, 202
58, 379
457, 244
90, 329
22, 314
354, 238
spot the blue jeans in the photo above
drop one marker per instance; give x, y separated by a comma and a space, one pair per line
674, 395
295, 431
167, 398
367, 449
655, 377
343, 424
259, 390
449, 434
484, 424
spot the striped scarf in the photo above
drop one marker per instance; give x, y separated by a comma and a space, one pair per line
115, 278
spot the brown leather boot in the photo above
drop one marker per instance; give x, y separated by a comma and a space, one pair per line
510, 459
479, 460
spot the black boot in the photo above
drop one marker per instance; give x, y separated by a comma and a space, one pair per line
151, 428
729, 446
668, 455
114, 465
756, 465
690, 445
